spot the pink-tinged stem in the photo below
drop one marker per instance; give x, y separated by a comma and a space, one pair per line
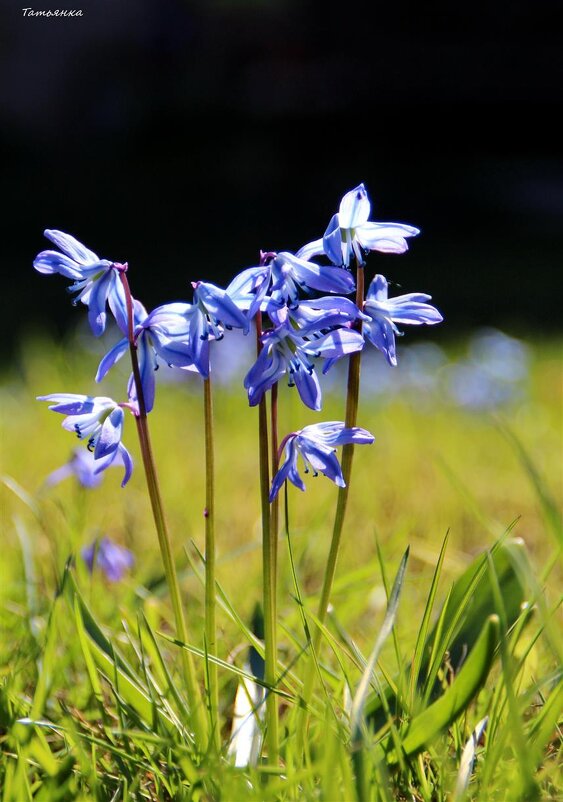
268, 575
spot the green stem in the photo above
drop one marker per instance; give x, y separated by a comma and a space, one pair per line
268, 577
210, 626
352, 399
198, 710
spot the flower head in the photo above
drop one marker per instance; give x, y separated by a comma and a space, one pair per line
96, 280
280, 280
153, 338
112, 559
350, 232
381, 313
188, 328
316, 329
316, 445
100, 420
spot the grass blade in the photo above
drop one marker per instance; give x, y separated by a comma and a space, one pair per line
439, 715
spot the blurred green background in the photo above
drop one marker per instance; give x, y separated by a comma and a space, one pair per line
455, 432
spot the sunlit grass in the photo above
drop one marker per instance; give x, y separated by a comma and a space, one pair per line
434, 467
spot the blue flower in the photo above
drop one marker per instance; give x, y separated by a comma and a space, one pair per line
349, 231
112, 559
152, 337
316, 444
280, 281
381, 313
195, 324
315, 329
96, 280
100, 420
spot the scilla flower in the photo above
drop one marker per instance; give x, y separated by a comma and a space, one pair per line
316, 445
96, 280
212, 311
381, 313
316, 329
153, 339
100, 421
349, 231
112, 559
282, 278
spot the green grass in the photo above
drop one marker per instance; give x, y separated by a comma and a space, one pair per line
95, 666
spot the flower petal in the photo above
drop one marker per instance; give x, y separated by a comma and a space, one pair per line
118, 304
288, 471
112, 356
110, 434
127, 462
381, 333
354, 208
332, 242
97, 304
71, 246
309, 388
378, 289
266, 371
385, 237
55, 262
322, 459
311, 249
220, 306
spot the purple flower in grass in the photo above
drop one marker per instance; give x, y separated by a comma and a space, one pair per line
112, 559
95, 280
82, 466
381, 313
280, 281
316, 329
98, 419
350, 232
317, 446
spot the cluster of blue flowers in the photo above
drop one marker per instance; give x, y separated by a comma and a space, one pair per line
298, 326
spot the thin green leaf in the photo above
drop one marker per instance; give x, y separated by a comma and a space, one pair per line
424, 727
423, 631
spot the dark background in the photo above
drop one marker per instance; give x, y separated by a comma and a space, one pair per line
185, 136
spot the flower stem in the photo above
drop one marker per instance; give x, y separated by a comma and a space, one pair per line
199, 722
210, 626
352, 399
268, 576
275, 506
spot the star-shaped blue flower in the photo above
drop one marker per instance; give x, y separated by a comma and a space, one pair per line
381, 313
97, 419
96, 280
317, 446
153, 339
350, 232
316, 329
